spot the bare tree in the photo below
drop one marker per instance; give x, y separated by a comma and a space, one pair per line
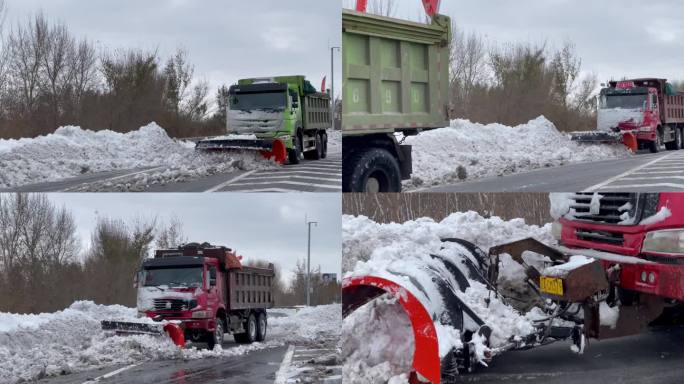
171, 235
565, 67
59, 73
383, 7
468, 63
84, 70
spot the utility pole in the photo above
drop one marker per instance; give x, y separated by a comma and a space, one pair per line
332, 82
308, 265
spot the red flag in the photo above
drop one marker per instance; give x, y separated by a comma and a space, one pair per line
431, 7
323, 84
361, 5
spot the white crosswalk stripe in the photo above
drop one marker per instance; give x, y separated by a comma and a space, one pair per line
309, 176
665, 172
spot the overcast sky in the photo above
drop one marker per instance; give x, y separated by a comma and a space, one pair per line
615, 38
227, 39
264, 226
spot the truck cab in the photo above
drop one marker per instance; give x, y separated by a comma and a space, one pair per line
208, 291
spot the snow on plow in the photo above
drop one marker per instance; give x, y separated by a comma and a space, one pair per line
464, 307
172, 330
270, 149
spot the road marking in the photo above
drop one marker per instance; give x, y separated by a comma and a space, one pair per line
227, 183
265, 177
325, 186
113, 178
652, 178
111, 374
628, 173
281, 375
668, 185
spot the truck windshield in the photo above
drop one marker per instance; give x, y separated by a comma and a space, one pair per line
256, 101
624, 101
173, 277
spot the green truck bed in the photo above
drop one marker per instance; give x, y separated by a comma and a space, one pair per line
395, 73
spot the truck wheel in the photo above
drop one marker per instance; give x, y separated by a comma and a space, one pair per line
216, 337
372, 170
250, 331
656, 145
676, 144
261, 327
324, 152
317, 153
295, 154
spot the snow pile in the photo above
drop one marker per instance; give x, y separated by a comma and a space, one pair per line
390, 353
37, 346
466, 151
396, 251
310, 324
609, 119
334, 141
72, 151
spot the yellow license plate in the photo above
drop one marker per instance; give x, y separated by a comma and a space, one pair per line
551, 285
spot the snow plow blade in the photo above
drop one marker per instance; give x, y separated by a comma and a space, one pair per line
270, 149
595, 137
120, 328
445, 275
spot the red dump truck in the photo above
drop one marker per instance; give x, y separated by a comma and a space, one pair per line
643, 113
203, 290
618, 268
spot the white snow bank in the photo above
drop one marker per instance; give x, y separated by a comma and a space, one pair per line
307, 324
334, 141
466, 151
37, 346
389, 355
72, 151
608, 119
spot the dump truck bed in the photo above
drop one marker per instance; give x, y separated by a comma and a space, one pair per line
249, 288
395, 73
316, 113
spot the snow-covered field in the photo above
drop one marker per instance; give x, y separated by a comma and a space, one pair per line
370, 248
467, 151
37, 346
72, 151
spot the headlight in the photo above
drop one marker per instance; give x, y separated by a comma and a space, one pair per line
668, 241
201, 314
556, 230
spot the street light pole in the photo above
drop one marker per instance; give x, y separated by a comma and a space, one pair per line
308, 265
332, 81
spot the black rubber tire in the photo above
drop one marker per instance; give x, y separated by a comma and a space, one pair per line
262, 325
316, 154
677, 143
216, 337
250, 331
324, 139
295, 155
656, 145
375, 164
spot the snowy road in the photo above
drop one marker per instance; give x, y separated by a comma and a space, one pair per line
642, 173
308, 176
258, 367
653, 357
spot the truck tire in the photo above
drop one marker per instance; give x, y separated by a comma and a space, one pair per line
324, 152
677, 143
295, 154
250, 334
371, 170
261, 327
317, 153
216, 337
656, 145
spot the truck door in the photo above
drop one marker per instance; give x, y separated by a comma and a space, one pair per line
213, 291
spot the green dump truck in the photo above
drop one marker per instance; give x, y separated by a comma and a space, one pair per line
396, 79
283, 117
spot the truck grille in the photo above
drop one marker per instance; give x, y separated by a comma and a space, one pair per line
173, 305
600, 236
609, 212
